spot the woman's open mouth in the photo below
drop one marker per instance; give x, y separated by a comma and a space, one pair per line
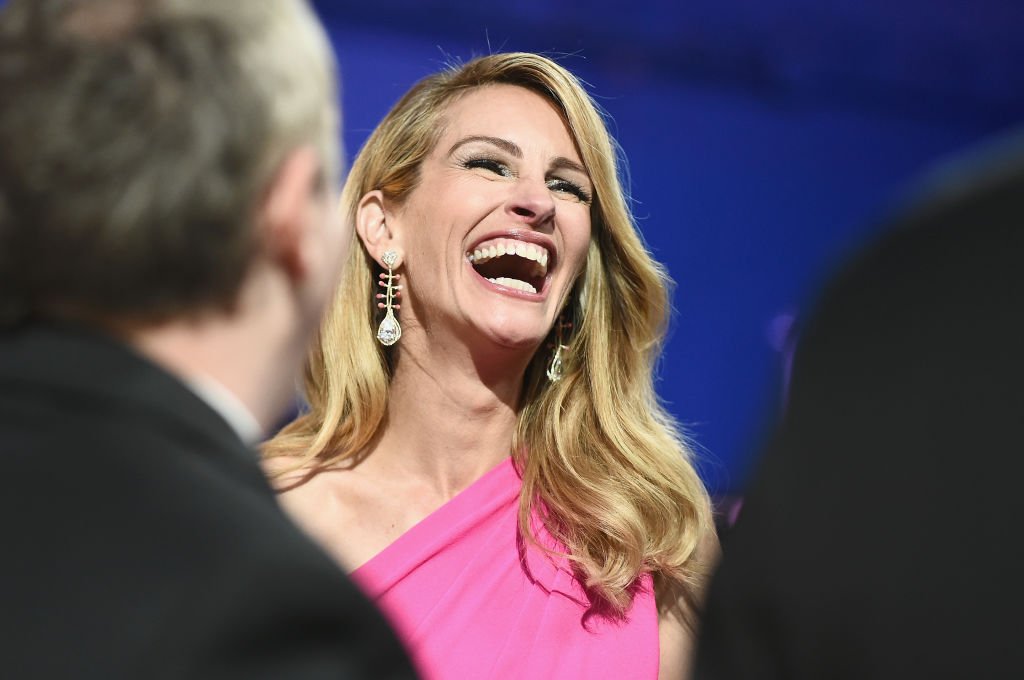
511, 263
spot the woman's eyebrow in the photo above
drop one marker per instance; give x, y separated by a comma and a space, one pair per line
504, 144
563, 163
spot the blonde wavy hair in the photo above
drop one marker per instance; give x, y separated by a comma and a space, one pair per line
602, 463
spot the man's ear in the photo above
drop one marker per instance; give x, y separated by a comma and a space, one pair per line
376, 233
286, 220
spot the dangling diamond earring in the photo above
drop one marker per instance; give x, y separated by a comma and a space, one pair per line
388, 332
554, 369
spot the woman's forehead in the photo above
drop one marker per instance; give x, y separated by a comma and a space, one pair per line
506, 111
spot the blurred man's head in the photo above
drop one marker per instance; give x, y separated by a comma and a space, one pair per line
157, 152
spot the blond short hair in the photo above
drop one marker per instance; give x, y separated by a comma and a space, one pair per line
138, 136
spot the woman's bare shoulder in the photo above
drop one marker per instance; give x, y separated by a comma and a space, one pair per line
323, 502
679, 620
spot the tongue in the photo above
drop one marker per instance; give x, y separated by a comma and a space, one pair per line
514, 283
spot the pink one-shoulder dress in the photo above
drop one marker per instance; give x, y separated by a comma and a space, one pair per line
471, 600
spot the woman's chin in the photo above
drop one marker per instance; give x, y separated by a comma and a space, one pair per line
513, 339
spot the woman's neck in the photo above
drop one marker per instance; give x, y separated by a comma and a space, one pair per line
449, 421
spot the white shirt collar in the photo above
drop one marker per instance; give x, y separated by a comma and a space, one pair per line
228, 406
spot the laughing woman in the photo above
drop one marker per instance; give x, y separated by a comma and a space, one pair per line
484, 450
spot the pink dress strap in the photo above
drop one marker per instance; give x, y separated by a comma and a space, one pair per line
467, 604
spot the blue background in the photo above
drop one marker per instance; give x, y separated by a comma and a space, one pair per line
765, 139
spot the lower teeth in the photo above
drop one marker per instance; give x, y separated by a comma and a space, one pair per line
514, 283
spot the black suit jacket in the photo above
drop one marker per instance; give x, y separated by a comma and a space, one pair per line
141, 540
882, 535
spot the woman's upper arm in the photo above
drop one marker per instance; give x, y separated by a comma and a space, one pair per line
677, 623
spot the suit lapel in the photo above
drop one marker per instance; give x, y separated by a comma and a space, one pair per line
79, 364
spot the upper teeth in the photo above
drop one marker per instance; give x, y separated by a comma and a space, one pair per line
499, 247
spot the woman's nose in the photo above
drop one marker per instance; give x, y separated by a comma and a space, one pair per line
531, 202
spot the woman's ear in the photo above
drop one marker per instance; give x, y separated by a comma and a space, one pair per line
372, 226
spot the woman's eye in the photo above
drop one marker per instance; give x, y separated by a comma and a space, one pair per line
489, 164
566, 187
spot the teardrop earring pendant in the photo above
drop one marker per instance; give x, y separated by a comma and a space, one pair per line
389, 330
555, 367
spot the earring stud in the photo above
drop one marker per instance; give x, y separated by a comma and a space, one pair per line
389, 330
